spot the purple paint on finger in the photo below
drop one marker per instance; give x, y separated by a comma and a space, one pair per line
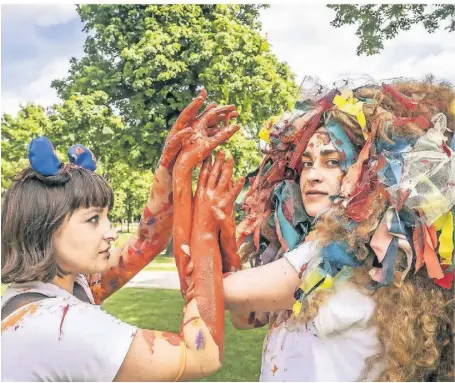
200, 341
151, 221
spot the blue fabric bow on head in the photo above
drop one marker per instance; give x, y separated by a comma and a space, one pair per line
43, 158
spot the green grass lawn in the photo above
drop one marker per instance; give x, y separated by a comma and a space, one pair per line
159, 309
122, 238
162, 263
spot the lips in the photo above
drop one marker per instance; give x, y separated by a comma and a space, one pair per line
316, 192
106, 250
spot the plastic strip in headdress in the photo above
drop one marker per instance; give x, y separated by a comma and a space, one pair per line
429, 173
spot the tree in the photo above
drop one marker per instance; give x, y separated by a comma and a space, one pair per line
377, 23
245, 151
31, 121
63, 125
150, 61
131, 191
88, 120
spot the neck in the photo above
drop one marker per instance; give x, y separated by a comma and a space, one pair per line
66, 282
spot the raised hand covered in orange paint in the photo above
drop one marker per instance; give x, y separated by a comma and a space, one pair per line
206, 136
155, 228
222, 205
204, 270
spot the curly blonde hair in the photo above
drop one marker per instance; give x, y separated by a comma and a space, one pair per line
415, 318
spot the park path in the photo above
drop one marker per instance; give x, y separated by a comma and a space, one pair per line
155, 280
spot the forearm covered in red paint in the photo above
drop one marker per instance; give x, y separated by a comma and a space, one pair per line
207, 281
150, 239
183, 202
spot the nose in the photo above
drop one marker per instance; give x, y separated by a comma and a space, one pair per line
313, 174
111, 234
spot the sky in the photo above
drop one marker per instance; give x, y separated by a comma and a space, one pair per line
37, 42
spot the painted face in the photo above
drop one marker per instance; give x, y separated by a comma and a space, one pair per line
82, 243
321, 173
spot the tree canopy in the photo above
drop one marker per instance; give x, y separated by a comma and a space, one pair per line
150, 60
142, 65
376, 23
31, 121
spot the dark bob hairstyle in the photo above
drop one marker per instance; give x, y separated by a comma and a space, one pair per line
34, 208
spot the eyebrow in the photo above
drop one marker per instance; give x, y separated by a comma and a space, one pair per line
324, 153
94, 210
328, 152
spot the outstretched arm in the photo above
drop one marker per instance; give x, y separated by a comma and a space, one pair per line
262, 289
194, 151
198, 350
155, 228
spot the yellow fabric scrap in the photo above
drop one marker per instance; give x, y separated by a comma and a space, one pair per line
444, 224
313, 279
435, 203
264, 134
353, 107
308, 284
296, 308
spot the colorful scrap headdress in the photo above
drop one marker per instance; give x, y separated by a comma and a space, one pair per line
390, 143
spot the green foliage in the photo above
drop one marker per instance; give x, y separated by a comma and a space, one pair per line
245, 151
377, 23
85, 120
131, 190
150, 61
31, 121
142, 66
88, 120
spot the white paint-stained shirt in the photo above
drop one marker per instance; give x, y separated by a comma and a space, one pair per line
61, 338
332, 347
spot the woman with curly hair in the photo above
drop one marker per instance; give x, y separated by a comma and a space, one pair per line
350, 219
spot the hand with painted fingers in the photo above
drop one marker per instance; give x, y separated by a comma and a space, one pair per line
187, 122
197, 350
204, 271
155, 228
206, 135
222, 199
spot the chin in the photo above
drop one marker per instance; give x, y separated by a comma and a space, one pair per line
99, 267
313, 211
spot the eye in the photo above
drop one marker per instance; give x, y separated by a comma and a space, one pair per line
95, 219
333, 163
306, 164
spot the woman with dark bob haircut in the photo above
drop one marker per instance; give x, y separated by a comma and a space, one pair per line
57, 258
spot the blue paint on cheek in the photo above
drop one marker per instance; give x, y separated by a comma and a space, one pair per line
151, 221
